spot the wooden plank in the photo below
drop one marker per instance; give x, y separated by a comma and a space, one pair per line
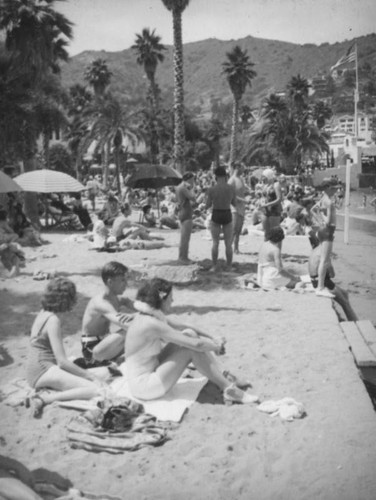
361, 352
368, 332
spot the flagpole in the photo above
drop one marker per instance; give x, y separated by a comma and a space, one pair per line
356, 95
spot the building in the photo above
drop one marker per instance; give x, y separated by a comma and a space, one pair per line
346, 124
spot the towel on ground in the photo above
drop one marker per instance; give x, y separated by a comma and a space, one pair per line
286, 408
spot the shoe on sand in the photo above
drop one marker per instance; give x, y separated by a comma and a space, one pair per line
233, 394
324, 293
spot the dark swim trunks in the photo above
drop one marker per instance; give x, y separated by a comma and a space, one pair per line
326, 233
221, 217
328, 283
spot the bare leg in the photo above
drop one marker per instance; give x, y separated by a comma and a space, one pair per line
70, 387
341, 297
110, 347
176, 359
185, 236
215, 232
227, 234
326, 250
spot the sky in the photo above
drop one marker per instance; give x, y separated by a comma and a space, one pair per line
111, 25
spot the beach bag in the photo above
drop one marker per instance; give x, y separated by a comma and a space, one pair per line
120, 418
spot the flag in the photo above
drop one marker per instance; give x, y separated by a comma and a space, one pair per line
350, 56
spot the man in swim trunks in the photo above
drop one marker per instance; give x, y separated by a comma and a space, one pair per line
106, 318
184, 199
221, 196
339, 295
238, 212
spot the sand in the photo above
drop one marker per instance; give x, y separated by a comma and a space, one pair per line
288, 344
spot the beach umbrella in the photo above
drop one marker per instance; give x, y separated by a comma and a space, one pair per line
153, 177
7, 184
48, 181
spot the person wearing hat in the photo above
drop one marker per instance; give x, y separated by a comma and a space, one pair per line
220, 197
272, 208
184, 199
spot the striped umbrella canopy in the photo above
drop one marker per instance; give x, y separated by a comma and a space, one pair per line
7, 184
48, 181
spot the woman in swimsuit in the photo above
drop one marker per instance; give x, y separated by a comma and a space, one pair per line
48, 366
159, 349
272, 208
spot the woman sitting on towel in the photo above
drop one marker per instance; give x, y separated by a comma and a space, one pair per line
48, 366
270, 272
159, 350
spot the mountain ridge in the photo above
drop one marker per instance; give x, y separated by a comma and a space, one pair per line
275, 63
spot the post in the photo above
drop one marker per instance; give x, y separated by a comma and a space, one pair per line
347, 203
356, 95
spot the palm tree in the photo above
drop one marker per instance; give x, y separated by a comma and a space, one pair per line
35, 39
321, 112
239, 74
109, 123
298, 90
98, 76
149, 53
176, 7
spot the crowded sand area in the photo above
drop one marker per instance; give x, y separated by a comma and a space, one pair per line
288, 344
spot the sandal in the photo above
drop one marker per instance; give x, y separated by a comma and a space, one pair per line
233, 394
38, 404
242, 384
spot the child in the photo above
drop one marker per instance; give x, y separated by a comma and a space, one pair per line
325, 209
100, 344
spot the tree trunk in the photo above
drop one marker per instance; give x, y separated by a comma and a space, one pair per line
46, 149
179, 133
234, 134
117, 163
154, 142
29, 163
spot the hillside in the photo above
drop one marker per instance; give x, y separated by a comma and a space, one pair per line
275, 63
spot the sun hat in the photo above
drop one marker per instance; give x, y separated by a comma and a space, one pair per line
268, 173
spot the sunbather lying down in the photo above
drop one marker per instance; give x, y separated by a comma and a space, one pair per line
159, 349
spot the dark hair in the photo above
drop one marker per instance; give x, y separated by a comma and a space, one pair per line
188, 175
146, 209
275, 234
125, 207
220, 172
60, 295
112, 270
154, 292
328, 183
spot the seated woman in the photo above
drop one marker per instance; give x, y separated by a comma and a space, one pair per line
159, 350
270, 272
123, 228
82, 213
48, 366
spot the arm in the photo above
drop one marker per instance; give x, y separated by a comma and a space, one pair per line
200, 344
209, 200
106, 309
54, 334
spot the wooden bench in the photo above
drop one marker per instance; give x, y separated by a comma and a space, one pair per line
361, 336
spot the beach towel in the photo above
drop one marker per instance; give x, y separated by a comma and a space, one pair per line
142, 430
170, 407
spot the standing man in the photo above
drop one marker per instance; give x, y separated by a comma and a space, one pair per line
184, 199
220, 197
92, 188
238, 211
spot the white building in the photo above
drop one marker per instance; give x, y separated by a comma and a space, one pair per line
346, 124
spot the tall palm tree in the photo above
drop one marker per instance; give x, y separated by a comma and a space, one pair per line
298, 90
239, 74
109, 123
177, 7
98, 76
35, 38
321, 113
149, 53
